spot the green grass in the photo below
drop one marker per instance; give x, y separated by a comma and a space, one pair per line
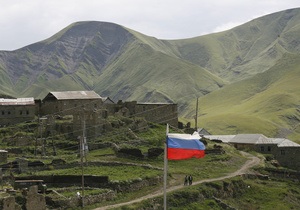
265, 104
115, 173
71, 191
238, 193
268, 195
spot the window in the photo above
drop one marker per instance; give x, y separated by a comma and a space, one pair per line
269, 148
282, 152
262, 148
27, 112
21, 112
3, 112
104, 114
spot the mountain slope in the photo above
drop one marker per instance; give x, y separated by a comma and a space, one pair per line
245, 50
89, 55
156, 78
267, 103
246, 77
87, 46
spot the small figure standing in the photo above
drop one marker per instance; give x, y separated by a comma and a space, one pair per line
190, 180
186, 179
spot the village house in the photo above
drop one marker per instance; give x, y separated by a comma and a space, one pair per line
69, 102
162, 113
90, 110
13, 111
85, 109
286, 152
255, 142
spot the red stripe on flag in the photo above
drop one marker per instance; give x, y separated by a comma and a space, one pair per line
181, 154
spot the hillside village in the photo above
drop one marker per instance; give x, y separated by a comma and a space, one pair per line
87, 108
45, 140
81, 104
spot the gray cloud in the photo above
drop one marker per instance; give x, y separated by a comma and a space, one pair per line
23, 23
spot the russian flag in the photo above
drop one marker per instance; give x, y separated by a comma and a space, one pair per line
184, 146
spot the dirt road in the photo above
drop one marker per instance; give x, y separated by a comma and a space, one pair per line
253, 161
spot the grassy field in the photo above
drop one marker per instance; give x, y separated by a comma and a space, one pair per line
131, 169
234, 193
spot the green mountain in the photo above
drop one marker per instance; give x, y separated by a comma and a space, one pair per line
267, 103
245, 78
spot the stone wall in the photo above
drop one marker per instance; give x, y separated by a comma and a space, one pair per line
69, 180
153, 112
34, 200
77, 201
68, 107
8, 203
134, 185
13, 114
3, 156
288, 157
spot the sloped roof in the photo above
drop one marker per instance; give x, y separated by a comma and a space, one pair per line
74, 95
107, 100
17, 101
251, 139
202, 131
223, 138
285, 142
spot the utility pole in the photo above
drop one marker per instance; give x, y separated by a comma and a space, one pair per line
82, 155
82, 171
196, 117
85, 145
41, 125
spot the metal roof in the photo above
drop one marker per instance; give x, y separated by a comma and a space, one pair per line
75, 95
251, 139
223, 138
155, 103
285, 142
17, 101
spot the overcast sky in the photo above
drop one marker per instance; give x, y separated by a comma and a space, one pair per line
24, 22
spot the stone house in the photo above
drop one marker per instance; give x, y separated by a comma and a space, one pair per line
86, 108
162, 113
286, 152
69, 102
83, 108
13, 111
256, 142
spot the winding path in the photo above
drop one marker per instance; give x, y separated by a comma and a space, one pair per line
253, 161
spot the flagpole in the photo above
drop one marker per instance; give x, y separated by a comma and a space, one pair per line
165, 169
